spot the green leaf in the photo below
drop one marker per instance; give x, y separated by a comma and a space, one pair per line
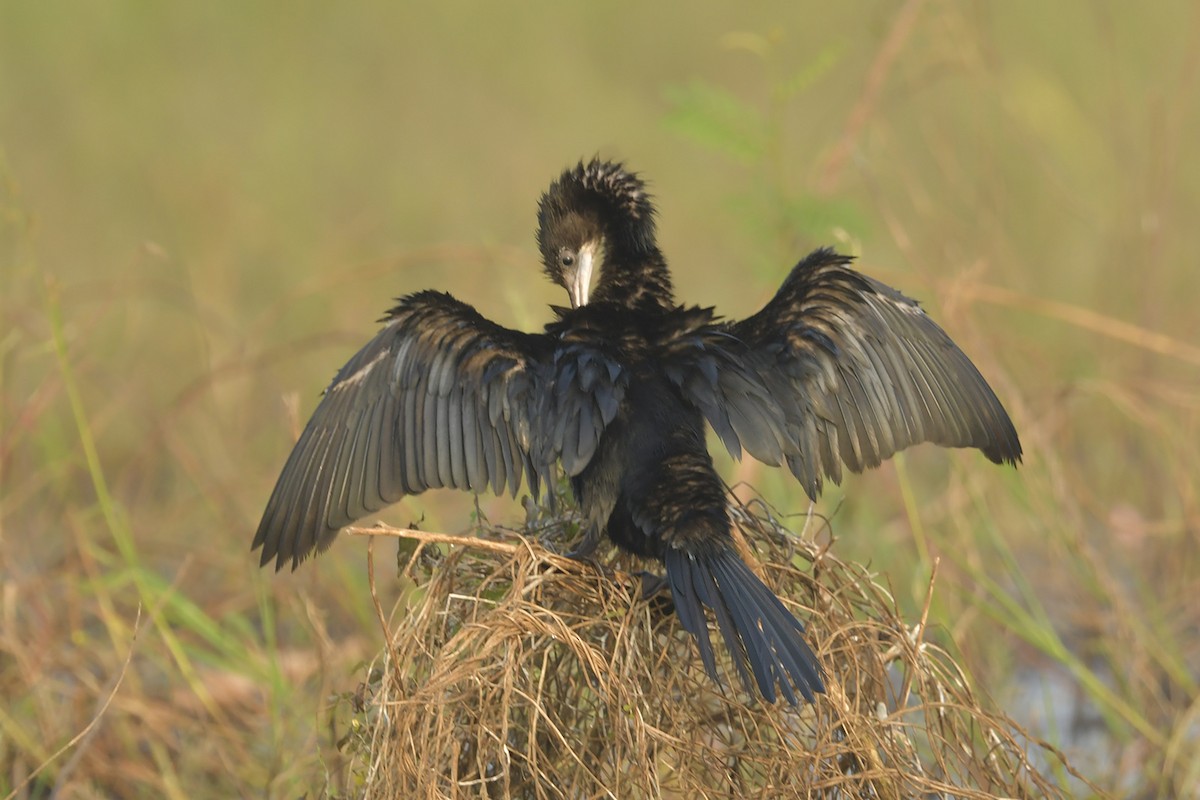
717, 119
816, 217
813, 71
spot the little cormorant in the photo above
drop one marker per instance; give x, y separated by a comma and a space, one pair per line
836, 370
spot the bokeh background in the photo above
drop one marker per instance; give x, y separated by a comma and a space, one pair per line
204, 207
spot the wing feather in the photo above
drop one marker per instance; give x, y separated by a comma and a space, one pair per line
588, 387
836, 370
440, 397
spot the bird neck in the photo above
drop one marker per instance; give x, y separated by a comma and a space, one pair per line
641, 281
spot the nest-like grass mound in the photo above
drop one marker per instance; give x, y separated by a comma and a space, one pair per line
515, 672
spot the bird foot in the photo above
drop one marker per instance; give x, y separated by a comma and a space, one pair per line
652, 584
586, 547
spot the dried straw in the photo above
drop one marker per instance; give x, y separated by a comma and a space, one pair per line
511, 671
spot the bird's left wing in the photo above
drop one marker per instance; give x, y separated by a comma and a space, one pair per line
440, 397
585, 386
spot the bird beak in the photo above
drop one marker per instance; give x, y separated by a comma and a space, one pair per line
581, 279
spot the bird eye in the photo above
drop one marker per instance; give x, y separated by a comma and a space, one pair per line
566, 259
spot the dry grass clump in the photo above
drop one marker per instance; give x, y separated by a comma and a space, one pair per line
514, 672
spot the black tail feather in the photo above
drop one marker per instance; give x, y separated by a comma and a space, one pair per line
761, 634
728, 623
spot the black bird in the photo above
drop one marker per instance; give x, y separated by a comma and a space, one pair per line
837, 369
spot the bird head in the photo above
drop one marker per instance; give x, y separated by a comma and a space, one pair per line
592, 213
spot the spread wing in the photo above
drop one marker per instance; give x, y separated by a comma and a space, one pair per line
839, 369
440, 397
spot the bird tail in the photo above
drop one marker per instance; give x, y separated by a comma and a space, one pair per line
761, 634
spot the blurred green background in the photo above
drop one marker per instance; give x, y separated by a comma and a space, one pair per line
204, 207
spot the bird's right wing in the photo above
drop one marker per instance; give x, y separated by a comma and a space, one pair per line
440, 397
838, 369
